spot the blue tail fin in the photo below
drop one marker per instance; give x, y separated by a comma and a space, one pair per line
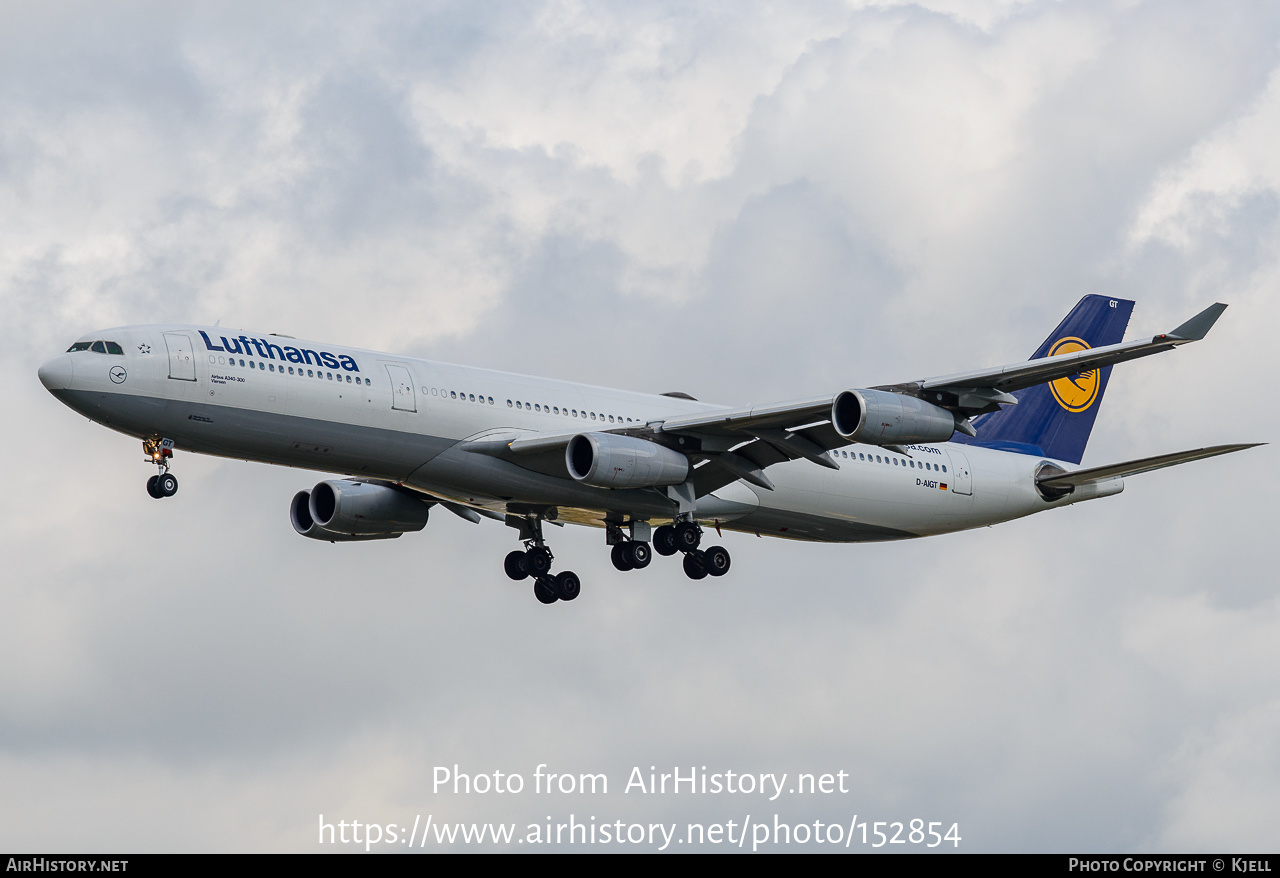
1055, 419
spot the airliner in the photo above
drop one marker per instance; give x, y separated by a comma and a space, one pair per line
889, 462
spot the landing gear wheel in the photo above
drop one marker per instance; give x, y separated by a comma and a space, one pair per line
621, 557
639, 554
152, 489
716, 560
544, 590
537, 561
568, 586
664, 540
167, 485
515, 566
688, 536
694, 566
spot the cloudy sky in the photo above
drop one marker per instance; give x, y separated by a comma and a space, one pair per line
744, 201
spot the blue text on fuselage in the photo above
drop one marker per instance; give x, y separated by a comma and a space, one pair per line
927, 448
268, 350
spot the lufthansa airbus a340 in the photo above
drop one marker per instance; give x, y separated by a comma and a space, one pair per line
881, 463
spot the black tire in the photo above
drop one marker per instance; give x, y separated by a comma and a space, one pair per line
694, 566
515, 566
568, 586
688, 536
716, 560
664, 540
152, 489
640, 555
544, 590
537, 561
167, 485
621, 557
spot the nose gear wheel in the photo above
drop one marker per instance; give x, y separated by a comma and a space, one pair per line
160, 452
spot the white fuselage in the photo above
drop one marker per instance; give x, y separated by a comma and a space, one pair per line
372, 415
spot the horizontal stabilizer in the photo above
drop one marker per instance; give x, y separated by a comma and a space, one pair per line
1133, 467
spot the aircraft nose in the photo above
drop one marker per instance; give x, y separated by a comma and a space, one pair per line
57, 373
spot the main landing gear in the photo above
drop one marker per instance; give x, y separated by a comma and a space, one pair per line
631, 551
535, 561
681, 536
160, 452
631, 555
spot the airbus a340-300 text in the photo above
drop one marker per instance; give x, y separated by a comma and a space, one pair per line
879, 463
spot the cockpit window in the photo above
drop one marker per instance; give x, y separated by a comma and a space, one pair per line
98, 347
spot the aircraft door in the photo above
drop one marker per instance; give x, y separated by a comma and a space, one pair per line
961, 477
182, 361
403, 396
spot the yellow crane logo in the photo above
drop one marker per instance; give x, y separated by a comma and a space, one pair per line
1075, 393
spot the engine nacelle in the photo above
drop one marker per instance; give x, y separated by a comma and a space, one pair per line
604, 460
303, 523
341, 509
352, 507
877, 417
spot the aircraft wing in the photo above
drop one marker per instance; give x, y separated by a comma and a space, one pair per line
803, 428
1133, 467
966, 393
993, 384
728, 444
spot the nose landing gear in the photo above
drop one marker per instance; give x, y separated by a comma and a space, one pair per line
162, 485
160, 452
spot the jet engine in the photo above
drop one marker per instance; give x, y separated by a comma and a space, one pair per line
342, 509
877, 417
604, 460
